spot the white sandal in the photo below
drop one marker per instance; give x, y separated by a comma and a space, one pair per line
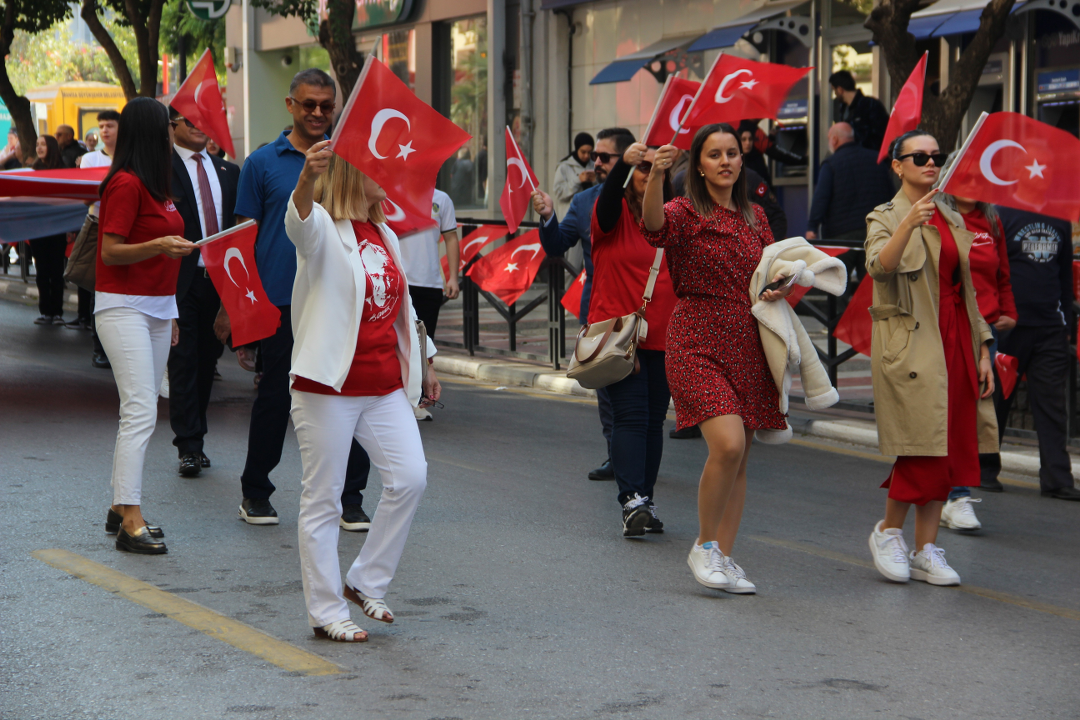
341, 631
374, 608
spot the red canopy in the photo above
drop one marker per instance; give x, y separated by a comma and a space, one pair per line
74, 183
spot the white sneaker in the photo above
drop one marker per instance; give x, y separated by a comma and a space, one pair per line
737, 582
704, 560
959, 515
929, 566
422, 414
890, 553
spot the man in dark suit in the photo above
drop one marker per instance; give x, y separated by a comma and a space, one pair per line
204, 187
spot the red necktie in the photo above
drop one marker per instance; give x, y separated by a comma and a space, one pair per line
209, 211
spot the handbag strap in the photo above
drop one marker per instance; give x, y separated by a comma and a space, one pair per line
653, 272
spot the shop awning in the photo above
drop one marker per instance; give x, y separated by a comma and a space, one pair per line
627, 66
950, 17
727, 34
1068, 9
556, 4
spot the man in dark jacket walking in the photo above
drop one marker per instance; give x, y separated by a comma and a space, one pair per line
850, 185
866, 115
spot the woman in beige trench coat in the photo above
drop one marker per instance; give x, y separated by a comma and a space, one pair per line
930, 361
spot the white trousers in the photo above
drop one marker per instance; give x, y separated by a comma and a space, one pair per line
138, 348
386, 429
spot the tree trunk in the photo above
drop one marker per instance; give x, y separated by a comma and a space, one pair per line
941, 115
123, 74
335, 34
17, 105
147, 34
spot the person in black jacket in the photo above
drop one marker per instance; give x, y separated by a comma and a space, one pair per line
1040, 265
866, 115
756, 145
204, 187
850, 185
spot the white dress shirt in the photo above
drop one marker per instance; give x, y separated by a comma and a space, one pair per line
188, 156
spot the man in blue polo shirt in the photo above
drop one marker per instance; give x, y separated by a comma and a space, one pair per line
266, 183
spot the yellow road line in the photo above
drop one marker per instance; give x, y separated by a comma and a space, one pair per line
1023, 602
235, 633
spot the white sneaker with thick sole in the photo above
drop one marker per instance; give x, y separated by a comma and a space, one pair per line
928, 565
890, 553
737, 582
705, 563
959, 515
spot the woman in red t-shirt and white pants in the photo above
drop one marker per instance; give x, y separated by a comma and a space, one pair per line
357, 373
139, 251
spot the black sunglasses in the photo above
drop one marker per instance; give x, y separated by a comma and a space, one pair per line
920, 158
644, 167
603, 157
175, 123
310, 105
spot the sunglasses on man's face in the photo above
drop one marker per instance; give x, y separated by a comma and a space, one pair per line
310, 105
920, 158
176, 123
603, 157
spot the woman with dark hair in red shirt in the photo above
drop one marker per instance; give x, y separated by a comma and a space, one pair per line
139, 251
48, 252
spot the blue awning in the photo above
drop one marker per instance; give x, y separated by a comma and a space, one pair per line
618, 71
960, 23
924, 27
721, 37
624, 68
556, 4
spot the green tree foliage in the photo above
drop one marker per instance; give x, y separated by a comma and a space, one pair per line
49, 57
198, 35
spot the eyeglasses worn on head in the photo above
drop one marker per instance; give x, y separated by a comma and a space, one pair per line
310, 105
920, 158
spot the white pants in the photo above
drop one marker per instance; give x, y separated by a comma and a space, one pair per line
386, 429
138, 348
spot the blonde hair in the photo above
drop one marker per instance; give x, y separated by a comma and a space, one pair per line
340, 190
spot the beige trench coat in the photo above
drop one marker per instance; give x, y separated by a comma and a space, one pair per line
907, 359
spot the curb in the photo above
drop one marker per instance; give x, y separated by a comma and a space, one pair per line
855, 432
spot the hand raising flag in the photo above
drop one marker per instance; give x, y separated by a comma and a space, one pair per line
393, 137
516, 198
230, 262
737, 89
907, 112
1009, 159
199, 100
674, 103
508, 271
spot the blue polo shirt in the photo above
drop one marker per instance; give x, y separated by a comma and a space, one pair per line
266, 183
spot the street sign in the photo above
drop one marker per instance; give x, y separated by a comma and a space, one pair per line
208, 9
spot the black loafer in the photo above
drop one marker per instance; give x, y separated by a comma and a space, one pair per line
140, 542
99, 360
204, 461
190, 464
1067, 493
113, 520
604, 472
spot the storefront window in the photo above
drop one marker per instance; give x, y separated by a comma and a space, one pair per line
398, 51
467, 181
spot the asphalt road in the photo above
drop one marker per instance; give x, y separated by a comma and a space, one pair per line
517, 597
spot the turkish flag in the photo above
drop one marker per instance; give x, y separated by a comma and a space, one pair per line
907, 112
74, 183
1008, 370
799, 291
515, 199
251, 314
404, 222
1010, 159
199, 100
675, 101
508, 271
473, 243
393, 137
736, 89
571, 299
855, 326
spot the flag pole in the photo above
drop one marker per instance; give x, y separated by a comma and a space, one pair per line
225, 233
528, 175
963, 149
352, 99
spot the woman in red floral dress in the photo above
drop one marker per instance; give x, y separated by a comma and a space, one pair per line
716, 366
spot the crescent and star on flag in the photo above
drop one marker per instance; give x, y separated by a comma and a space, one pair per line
744, 85
1035, 169
377, 124
235, 253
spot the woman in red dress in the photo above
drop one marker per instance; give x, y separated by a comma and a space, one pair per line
928, 337
716, 366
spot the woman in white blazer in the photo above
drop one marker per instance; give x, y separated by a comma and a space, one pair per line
356, 372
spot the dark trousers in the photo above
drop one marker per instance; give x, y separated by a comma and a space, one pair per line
270, 420
603, 404
86, 304
639, 404
49, 265
191, 364
1043, 354
426, 302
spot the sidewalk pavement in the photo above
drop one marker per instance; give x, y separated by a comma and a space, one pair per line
1016, 459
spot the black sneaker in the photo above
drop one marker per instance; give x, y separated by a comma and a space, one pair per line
354, 519
258, 512
604, 472
635, 516
44, 320
655, 526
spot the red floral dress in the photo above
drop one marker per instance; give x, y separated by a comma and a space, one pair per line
715, 363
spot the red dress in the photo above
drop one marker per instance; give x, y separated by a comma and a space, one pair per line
715, 363
921, 478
